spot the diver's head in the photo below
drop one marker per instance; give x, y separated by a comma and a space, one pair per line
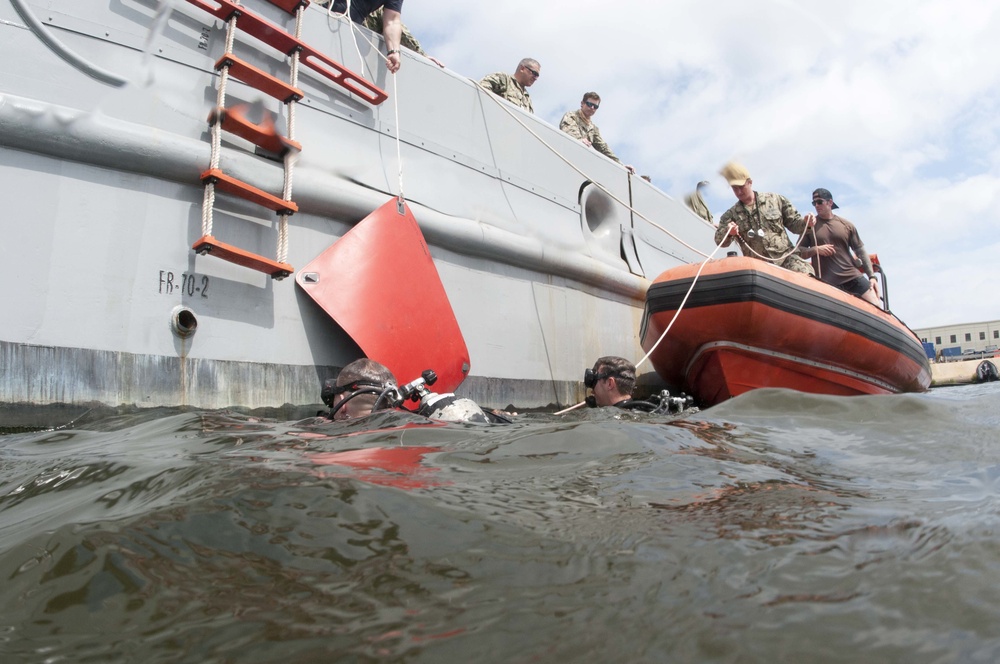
612, 380
358, 389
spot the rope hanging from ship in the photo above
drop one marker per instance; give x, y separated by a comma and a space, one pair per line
356, 32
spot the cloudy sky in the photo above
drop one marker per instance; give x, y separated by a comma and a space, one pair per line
894, 106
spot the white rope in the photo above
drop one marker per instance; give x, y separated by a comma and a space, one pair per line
294, 72
680, 307
282, 252
356, 33
399, 137
290, 106
221, 99
291, 155
208, 202
571, 408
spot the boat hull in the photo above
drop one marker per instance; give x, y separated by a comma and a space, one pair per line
748, 325
104, 155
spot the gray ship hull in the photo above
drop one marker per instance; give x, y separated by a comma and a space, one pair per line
103, 139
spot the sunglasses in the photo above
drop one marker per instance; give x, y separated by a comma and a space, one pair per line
532, 71
592, 105
818, 201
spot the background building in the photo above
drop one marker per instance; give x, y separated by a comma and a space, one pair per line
967, 338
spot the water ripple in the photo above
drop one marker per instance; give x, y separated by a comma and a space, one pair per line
775, 527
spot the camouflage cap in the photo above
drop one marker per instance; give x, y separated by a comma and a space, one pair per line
826, 196
736, 174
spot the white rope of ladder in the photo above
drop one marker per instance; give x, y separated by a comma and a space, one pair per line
291, 155
208, 203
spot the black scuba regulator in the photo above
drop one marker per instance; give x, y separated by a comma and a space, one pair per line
445, 407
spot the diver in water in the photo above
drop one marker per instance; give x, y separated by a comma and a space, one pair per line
366, 386
612, 381
357, 390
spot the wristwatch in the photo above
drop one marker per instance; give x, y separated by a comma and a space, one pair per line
391, 51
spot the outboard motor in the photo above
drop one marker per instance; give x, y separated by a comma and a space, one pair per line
986, 372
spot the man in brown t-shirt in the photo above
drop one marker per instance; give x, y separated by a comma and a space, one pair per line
831, 251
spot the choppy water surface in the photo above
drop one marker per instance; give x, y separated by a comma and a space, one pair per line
776, 527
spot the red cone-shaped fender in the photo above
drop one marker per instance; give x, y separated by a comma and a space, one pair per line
379, 283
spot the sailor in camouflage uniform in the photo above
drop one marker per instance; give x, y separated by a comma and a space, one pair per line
514, 88
579, 125
374, 23
392, 23
758, 222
